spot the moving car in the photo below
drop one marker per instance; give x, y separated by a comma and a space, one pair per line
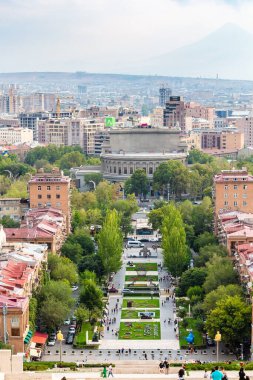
74, 288
70, 339
67, 322
135, 244
113, 290
153, 239
72, 330
127, 291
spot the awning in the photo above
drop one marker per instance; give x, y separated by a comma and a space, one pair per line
39, 338
28, 337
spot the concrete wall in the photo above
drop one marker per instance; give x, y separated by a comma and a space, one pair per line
144, 140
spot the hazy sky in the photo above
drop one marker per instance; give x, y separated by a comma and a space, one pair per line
106, 35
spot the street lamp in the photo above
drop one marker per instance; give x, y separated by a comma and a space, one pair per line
60, 339
241, 344
217, 340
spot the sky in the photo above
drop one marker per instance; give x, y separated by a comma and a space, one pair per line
106, 35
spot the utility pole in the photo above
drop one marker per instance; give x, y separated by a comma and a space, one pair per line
168, 188
5, 310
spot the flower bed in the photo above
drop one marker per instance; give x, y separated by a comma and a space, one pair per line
140, 330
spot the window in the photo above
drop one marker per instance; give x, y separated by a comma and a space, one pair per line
58, 204
235, 203
48, 204
119, 170
245, 195
125, 170
131, 170
235, 195
58, 187
244, 187
115, 169
226, 203
15, 330
39, 196
226, 195
48, 196
226, 187
235, 187
244, 203
39, 187
58, 196
48, 187
40, 204
150, 171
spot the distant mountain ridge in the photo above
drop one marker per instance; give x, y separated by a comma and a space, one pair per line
227, 52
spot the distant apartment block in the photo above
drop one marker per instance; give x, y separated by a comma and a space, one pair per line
164, 95
15, 208
174, 114
15, 135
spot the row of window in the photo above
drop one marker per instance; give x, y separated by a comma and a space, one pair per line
125, 171
58, 196
236, 195
236, 187
49, 204
244, 203
49, 187
236, 179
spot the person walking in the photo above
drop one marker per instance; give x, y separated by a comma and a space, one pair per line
181, 373
216, 375
161, 367
104, 372
242, 374
166, 366
110, 371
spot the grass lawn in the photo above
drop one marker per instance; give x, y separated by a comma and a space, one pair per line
141, 278
139, 330
142, 266
133, 314
183, 333
80, 338
142, 303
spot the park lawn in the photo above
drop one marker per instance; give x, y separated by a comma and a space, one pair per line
142, 303
141, 278
183, 333
133, 314
142, 266
80, 338
140, 330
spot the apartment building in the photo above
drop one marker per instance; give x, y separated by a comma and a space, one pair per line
233, 191
15, 208
245, 125
174, 113
198, 111
51, 190
226, 139
38, 102
15, 135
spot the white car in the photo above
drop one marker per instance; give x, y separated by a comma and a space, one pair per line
72, 330
127, 291
74, 288
51, 342
153, 239
67, 322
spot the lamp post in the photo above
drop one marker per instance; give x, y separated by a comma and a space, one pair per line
217, 340
241, 351
60, 339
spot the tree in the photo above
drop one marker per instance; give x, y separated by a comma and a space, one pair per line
186, 209
71, 159
110, 243
53, 312
94, 217
73, 251
17, 189
174, 241
62, 268
8, 222
220, 271
207, 252
204, 239
174, 174
232, 317
91, 296
191, 277
202, 216
79, 218
59, 290
33, 309
138, 183
94, 264
106, 193
195, 294
155, 218
81, 315
126, 208
196, 155
219, 294
5, 184
95, 177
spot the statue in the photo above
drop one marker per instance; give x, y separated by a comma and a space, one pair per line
190, 338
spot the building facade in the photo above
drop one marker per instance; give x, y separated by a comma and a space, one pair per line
15, 135
174, 113
51, 190
164, 95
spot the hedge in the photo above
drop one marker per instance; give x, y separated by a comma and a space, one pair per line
234, 366
43, 366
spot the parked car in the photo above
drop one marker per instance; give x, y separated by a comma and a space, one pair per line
67, 322
51, 340
113, 290
72, 330
127, 291
74, 288
153, 239
70, 339
53, 335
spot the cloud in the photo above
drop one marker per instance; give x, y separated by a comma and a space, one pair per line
105, 35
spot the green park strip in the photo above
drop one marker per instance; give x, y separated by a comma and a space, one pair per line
80, 338
141, 278
142, 303
134, 314
184, 330
142, 266
139, 331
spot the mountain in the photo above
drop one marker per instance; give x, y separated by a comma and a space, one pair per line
227, 52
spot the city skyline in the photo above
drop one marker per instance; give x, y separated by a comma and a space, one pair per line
89, 35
